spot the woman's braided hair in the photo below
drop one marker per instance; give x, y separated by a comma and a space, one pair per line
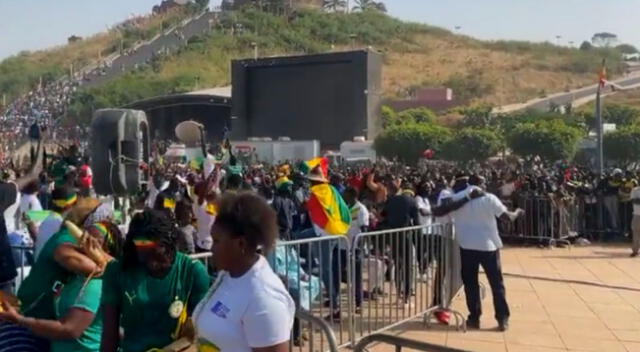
155, 225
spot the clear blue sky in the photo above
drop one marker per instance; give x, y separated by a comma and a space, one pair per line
37, 24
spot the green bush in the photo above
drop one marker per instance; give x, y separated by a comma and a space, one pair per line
509, 122
407, 142
621, 115
410, 116
478, 116
622, 145
552, 140
472, 144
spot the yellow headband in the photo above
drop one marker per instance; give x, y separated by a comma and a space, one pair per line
63, 203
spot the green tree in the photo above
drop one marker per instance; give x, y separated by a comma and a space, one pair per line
410, 116
627, 49
335, 5
621, 115
417, 115
479, 116
407, 142
622, 145
471, 144
508, 122
389, 116
552, 140
368, 5
604, 39
585, 46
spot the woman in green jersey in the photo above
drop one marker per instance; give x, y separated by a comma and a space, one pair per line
77, 322
152, 289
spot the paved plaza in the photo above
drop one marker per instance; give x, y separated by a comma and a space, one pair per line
563, 299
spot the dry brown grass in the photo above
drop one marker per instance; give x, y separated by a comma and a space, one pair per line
631, 98
514, 77
79, 53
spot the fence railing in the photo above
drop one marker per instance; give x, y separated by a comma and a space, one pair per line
546, 219
399, 343
603, 215
368, 284
23, 257
553, 219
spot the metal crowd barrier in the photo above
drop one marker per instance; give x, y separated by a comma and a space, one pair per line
399, 343
23, 257
548, 219
601, 216
376, 282
552, 219
316, 273
404, 274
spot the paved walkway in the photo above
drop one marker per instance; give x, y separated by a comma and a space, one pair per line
577, 299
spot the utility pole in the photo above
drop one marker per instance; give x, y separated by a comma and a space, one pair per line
255, 50
599, 128
600, 132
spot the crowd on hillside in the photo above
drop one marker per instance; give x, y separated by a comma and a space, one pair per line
238, 212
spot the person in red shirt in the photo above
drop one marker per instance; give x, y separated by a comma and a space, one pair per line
85, 178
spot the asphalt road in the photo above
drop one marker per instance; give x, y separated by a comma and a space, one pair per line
144, 54
568, 97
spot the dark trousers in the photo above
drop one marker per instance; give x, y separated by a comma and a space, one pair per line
436, 255
402, 253
357, 275
625, 212
490, 261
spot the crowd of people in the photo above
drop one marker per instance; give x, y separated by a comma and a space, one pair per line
42, 106
96, 270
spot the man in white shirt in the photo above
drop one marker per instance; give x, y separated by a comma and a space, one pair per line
29, 200
635, 222
477, 234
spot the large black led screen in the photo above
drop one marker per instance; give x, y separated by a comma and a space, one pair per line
322, 97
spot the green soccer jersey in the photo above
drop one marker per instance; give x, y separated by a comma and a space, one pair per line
45, 279
147, 304
76, 294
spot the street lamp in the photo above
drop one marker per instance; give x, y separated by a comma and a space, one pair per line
558, 37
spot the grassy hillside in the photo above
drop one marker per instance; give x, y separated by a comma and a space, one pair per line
21, 72
414, 55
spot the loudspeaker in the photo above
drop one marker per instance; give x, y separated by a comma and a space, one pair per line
119, 145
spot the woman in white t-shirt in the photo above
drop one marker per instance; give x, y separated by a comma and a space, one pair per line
248, 308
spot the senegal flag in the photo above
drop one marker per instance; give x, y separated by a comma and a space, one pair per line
313, 163
328, 210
